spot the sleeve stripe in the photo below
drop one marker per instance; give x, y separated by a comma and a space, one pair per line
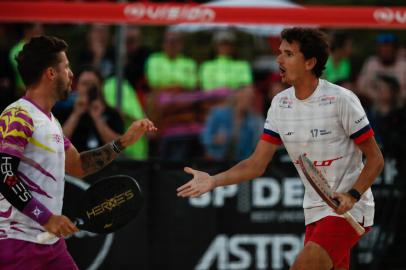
272, 133
11, 149
271, 136
362, 134
66, 143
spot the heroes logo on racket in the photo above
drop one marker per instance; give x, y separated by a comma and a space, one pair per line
107, 205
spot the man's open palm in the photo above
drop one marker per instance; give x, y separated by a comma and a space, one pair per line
201, 183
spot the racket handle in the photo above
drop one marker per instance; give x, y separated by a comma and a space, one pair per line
357, 227
45, 237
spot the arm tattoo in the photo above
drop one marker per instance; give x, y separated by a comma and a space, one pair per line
96, 159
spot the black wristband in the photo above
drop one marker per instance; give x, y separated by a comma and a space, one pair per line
355, 194
117, 146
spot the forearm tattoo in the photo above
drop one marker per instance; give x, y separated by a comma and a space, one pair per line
96, 159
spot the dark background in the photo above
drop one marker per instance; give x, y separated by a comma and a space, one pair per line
229, 231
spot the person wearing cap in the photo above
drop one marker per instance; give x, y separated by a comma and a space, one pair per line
224, 71
386, 62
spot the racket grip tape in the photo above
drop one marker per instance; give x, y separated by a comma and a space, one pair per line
351, 220
45, 237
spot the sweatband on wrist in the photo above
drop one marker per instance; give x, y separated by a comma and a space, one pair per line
37, 211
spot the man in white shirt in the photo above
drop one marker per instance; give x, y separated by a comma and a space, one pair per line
329, 125
34, 156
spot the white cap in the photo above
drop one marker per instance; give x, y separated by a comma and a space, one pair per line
223, 36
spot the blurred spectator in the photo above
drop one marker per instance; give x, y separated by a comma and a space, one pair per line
275, 86
338, 66
232, 131
131, 110
392, 130
98, 53
90, 123
386, 62
386, 101
224, 71
136, 58
169, 69
7, 88
29, 30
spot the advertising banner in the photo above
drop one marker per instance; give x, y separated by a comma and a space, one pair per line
255, 225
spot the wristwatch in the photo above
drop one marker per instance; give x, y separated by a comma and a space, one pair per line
355, 194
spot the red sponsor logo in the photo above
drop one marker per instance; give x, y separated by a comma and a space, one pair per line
322, 163
388, 15
169, 13
11, 180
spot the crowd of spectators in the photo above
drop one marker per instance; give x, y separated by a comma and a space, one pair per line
203, 110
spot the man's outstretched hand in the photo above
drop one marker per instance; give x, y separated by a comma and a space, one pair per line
136, 130
201, 183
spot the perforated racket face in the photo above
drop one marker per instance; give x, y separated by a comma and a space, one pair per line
317, 180
110, 203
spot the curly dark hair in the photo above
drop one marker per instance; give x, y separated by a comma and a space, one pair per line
37, 55
312, 43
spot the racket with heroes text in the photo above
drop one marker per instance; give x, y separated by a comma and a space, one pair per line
107, 205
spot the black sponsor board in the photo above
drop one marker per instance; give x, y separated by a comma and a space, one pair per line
255, 225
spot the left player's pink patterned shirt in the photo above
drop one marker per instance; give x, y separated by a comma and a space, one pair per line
35, 137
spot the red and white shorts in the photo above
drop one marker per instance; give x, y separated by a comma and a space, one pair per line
336, 236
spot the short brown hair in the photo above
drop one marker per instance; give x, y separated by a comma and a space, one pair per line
312, 43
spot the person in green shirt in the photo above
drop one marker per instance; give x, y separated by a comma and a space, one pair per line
224, 71
338, 66
29, 30
131, 110
170, 69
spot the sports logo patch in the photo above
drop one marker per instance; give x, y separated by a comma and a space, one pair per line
327, 100
286, 103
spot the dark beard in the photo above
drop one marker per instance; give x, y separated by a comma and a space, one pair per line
61, 90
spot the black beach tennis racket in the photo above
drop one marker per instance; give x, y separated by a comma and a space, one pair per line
107, 205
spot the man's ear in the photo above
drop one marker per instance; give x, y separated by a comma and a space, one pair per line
50, 73
310, 63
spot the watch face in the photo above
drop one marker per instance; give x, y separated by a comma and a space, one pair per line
355, 194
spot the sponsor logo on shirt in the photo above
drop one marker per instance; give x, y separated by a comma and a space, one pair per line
316, 132
57, 138
286, 103
324, 132
323, 163
359, 120
327, 100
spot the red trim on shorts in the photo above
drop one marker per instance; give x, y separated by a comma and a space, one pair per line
336, 236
